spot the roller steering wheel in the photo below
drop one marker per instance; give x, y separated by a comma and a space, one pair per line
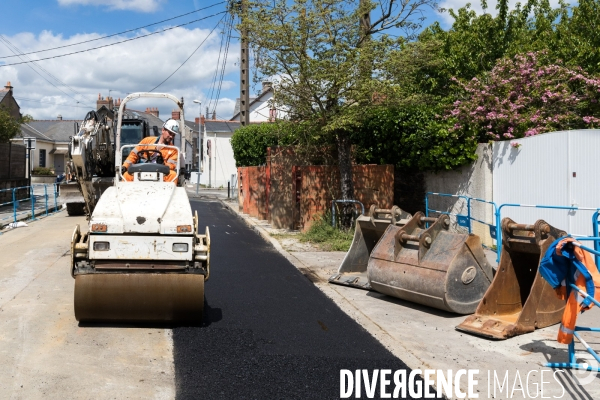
150, 153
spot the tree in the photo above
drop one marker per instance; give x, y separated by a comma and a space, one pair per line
9, 127
315, 52
527, 95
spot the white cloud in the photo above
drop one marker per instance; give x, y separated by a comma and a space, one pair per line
135, 66
476, 5
134, 5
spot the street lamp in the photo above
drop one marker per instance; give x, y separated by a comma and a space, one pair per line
199, 143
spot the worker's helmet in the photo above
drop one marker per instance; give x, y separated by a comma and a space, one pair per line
172, 126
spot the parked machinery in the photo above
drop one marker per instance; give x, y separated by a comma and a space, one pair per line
368, 231
519, 300
430, 265
143, 258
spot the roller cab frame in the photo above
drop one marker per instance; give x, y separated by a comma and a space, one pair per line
142, 258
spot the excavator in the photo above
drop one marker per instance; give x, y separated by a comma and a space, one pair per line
93, 147
142, 257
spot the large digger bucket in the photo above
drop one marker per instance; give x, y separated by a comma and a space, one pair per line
431, 266
518, 300
369, 229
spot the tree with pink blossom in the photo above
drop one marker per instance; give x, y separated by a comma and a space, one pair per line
524, 96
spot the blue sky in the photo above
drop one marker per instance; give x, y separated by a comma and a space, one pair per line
70, 85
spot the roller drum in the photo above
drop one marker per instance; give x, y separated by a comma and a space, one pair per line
139, 297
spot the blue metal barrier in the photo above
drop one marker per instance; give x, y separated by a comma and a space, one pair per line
596, 242
499, 218
461, 219
26, 206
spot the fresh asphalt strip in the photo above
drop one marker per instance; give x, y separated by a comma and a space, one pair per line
268, 332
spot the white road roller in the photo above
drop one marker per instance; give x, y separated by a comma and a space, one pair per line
142, 258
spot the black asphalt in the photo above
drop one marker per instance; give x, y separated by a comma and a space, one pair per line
268, 332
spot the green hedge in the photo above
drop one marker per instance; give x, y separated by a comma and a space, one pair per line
412, 138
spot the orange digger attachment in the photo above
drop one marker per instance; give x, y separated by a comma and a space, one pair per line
430, 266
369, 229
519, 300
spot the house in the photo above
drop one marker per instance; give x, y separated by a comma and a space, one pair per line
260, 108
218, 161
8, 102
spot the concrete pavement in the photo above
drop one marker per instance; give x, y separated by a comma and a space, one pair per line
425, 338
44, 352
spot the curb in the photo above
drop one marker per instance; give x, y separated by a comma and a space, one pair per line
397, 348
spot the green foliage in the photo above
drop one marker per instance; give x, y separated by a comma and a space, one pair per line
9, 127
327, 237
43, 171
250, 142
412, 138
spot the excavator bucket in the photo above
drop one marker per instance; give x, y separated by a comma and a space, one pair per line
519, 300
430, 266
369, 229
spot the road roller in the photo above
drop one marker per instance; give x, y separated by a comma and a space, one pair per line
142, 258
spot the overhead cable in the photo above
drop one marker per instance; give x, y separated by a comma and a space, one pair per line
186, 60
9, 45
115, 43
118, 33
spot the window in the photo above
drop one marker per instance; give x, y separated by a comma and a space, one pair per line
42, 158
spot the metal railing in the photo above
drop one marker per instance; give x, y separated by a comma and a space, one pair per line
354, 202
27, 202
465, 220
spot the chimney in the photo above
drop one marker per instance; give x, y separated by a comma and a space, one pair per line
59, 117
214, 115
175, 114
108, 102
266, 85
8, 87
202, 120
153, 111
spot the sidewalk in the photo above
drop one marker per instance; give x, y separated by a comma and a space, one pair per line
425, 338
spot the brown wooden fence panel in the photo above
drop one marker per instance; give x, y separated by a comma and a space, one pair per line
319, 185
12, 161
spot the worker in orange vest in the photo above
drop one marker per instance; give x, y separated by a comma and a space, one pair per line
169, 156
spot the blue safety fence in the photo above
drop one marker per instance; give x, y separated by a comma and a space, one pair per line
466, 219
28, 202
499, 216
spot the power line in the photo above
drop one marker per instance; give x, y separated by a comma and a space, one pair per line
112, 44
118, 33
36, 71
214, 81
222, 68
194, 52
19, 53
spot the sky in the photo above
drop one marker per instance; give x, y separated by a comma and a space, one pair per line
70, 85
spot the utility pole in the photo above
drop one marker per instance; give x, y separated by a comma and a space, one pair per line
244, 69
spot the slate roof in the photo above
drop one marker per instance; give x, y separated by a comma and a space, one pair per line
2, 94
56, 130
29, 131
215, 126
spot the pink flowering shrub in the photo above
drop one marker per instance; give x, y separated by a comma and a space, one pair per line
525, 96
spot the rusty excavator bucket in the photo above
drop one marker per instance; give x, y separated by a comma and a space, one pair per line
369, 229
430, 266
519, 300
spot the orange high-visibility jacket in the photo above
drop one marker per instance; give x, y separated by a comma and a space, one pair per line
574, 303
169, 157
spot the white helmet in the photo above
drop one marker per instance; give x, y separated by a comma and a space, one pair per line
171, 125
